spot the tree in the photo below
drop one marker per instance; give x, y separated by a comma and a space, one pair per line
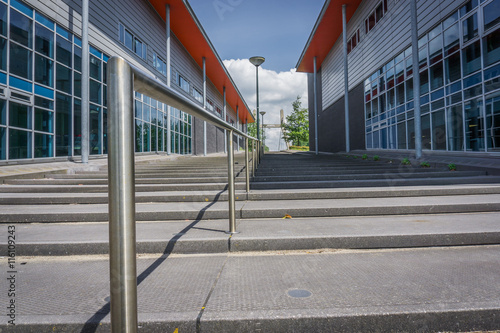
252, 131
296, 127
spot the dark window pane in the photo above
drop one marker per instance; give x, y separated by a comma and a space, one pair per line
95, 68
409, 90
64, 52
493, 121
3, 19
19, 115
474, 125
95, 92
129, 40
469, 28
20, 28
20, 61
3, 54
138, 136
95, 130
78, 84
3, 112
471, 58
44, 41
78, 59
422, 57
469, 6
44, 120
452, 68
44, 144
451, 40
436, 72
400, 94
44, 70
424, 83
435, 50
19, 144
379, 12
491, 14
77, 125
63, 79
63, 125
491, 48
371, 21
438, 131
138, 47
3, 143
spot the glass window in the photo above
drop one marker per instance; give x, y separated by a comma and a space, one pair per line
146, 112
450, 20
44, 70
422, 57
77, 84
63, 51
400, 73
473, 92
424, 82
435, 50
19, 144
63, 79
493, 121
45, 21
474, 125
391, 99
44, 120
3, 112
379, 11
436, 73
20, 28
138, 47
3, 19
20, 61
452, 68
19, 115
455, 128
184, 84
95, 92
438, 131
3, 54
78, 59
401, 128
400, 94
491, 48
411, 134
77, 127
469, 6
451, 40
3, 143
409, 90
491, 14
426, 131
44, 41
63, 125
95, 68
95, 130
470, 28
492, 85
129, 40
471, 58
44, 145
44, 103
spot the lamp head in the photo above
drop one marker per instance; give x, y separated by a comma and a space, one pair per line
262, 112
257, 61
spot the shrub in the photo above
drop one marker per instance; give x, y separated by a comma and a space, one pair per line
365, 157
425, 165
405, 161
376, 158
452, 167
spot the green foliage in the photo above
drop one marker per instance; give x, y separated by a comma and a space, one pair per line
376, 158
425, 165
405, 161
301, 148
296, 127
252, 131
365, 157
452, 167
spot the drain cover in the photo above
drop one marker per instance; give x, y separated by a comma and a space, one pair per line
299, 293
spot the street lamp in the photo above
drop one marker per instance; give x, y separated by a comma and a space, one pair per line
263, 133
257, 61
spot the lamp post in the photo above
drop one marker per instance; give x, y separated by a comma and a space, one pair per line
257, 61
263, 133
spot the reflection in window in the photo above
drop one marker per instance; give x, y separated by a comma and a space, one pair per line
63, 79
469, 28
451, 40
44, 145
44, 41
63, 125
95, 68
436, 73
44, 71
491, 14
493, 121
438, 131
20, 61
491, 48
474, 125
3, 19
452, 68
64, 52
471, 58
19, 144
19, 115
20, 28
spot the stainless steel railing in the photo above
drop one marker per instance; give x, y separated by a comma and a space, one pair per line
123, 80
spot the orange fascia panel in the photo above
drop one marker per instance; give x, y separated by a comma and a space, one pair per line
327, 32
185, 27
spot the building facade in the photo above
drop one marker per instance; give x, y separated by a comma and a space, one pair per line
459, 71
41, 77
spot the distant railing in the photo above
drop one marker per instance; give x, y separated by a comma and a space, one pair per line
123, 79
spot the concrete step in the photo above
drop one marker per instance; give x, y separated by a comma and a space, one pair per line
55, 197
163, 180
256, 209
410, 290
370, 232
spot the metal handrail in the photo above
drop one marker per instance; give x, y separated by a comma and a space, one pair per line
123, 80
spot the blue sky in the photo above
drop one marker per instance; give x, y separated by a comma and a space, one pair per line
274, 29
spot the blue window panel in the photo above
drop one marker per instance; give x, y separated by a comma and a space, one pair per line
22, 7
3, 78
45, 21
437, 94
105, 57
20, 84
63, 32
45, 92
492, 72
98, 54
77, 41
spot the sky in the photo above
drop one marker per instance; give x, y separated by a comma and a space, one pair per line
275, 29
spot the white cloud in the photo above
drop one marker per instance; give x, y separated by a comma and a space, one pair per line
276, 91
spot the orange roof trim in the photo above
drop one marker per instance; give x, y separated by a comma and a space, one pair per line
326, 32
188, 30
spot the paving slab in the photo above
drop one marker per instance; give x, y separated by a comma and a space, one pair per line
416, 290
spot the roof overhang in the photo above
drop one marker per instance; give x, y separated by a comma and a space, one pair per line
186, 27
326, 32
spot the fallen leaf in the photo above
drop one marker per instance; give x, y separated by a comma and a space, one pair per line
287, 216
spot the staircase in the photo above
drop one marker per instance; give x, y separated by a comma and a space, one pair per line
327, 243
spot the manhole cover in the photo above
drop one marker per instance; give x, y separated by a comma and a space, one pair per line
299, 293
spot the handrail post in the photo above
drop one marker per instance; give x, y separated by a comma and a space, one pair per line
254, 164
121, 192
247, 166
230, 182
